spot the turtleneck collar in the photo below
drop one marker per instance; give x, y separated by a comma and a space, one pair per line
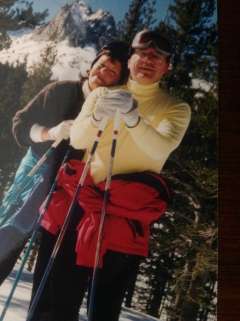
142, 90
86, 89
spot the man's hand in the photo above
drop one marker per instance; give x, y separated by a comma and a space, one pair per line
107, 105
104, 109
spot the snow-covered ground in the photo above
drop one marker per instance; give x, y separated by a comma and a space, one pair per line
18, 309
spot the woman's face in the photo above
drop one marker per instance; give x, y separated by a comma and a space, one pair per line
105, 72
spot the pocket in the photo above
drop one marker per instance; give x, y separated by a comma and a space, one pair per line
136, 228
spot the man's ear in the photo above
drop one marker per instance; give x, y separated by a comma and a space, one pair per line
167, 68
129, 62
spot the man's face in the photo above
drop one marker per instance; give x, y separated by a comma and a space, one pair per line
105, 72
147, 65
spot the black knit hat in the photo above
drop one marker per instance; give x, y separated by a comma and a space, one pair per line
117, 50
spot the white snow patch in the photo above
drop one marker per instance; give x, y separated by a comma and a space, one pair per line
21, 48
98, 15
19, 33
69, 64
72, 62
201, 84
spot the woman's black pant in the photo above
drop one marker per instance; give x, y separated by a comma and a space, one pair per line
67, 282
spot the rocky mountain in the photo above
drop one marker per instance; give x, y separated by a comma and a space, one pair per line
74, 34
80, 25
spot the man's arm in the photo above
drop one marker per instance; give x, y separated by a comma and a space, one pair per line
156, 141
166, 136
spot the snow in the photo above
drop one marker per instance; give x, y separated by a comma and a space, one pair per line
23, 47
69, 63
20, 32
74, 34
80, 10
98, 15
81, 13
17, 310
201, 84
72, 62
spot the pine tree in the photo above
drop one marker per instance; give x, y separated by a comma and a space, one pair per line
140, 15
195, 37
39, 74
12, 79
16, 14
17, 88
184, 244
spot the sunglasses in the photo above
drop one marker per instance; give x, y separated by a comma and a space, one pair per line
147, 38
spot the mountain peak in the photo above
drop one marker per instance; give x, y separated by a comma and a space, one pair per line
80, 25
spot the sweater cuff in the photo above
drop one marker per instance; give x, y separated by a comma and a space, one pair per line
139, 127
95, 122
131, 120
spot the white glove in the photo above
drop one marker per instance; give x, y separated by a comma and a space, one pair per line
61, 131
127, 106
103, 109
36, 133
107, 105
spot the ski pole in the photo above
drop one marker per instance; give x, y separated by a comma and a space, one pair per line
67, 219
32, 240
103, 214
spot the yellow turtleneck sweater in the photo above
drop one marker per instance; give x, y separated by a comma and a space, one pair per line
147, 146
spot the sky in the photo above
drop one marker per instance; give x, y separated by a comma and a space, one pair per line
117, 8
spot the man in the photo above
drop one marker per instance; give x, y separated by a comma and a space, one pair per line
45, 119
154, 124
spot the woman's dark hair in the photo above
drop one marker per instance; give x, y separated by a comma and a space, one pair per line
118, 51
